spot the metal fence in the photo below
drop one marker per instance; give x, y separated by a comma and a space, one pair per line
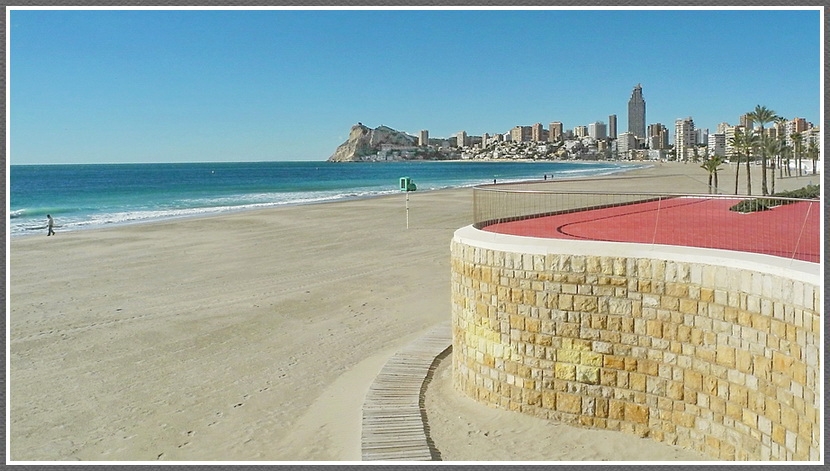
784, 227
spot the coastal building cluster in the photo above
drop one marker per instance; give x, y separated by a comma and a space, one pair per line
601, 141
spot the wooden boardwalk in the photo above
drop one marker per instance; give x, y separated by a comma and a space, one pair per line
394, 424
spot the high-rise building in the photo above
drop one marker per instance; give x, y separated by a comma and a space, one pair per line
581, 131
746, 121
555, 134
536, 132
702, 136
658, 136
637, 113
612, 126
597, 130
461, 139
684, 138
729, 139
423, 138
520, 134
717, 145
797, 125
626, 144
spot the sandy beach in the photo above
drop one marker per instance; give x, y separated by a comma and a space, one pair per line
255, 335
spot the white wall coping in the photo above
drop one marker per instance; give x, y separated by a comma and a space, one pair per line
798, 270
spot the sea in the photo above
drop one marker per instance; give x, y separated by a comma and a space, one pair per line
88, 196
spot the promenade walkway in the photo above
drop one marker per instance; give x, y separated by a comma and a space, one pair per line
394, 426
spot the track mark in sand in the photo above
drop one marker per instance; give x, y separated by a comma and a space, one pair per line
314, 280
82, 328
219, 416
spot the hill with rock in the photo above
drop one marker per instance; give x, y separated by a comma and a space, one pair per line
381, 143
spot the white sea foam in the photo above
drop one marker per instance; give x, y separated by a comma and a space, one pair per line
145, 204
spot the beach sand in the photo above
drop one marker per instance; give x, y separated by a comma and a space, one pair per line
255, 335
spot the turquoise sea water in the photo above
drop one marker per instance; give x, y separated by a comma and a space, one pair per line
90, 196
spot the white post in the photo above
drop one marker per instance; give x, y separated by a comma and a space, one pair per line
407, 209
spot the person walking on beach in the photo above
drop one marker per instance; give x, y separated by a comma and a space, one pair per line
50, 223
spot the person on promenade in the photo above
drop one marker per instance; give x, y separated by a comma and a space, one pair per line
50, 223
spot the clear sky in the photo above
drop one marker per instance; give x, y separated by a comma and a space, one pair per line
92, 86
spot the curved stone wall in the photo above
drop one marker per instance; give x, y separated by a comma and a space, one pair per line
711, 350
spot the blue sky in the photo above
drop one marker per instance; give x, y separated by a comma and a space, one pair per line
90, 86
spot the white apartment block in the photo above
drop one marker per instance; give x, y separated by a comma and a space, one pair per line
728, 136
717, 145
597, 130
701, 136
684, 138
461, 139
626, 143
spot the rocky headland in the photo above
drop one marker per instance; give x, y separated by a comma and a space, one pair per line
383, 144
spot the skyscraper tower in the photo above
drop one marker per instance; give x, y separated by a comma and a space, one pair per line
637, 113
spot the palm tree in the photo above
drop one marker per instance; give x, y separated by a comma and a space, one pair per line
812, 151
780, 125
745, 140
797, 147
712, 165
763, 115
786, 152
751, 142
735, 141
771, 147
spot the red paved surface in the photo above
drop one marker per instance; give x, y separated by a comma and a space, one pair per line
790, 231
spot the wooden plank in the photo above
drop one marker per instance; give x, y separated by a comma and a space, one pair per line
393, 420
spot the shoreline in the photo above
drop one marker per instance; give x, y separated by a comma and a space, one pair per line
268, 206
251, 336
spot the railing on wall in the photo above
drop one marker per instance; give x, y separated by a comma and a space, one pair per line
783, 227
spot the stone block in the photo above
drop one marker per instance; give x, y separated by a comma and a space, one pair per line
567, 330
565, 371
549, 399
616, 409
636, 413
789, 418
570, 403
670, 302
587, 374
615, 362
677, 290
637, 382
568, 356
688, 306
608, 377
693, 380
591, 358
726, 356
566, 301
585, 303
533, 325
654, 328
675, 391
781, 363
